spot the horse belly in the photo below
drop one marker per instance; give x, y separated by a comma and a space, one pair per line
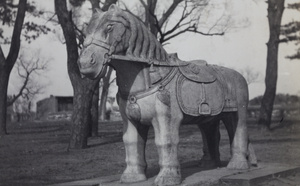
192, 120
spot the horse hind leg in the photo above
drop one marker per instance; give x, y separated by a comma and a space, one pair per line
239, 147
251, 155
211, 139
230, 122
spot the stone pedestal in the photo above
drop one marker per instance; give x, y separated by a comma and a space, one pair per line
219, 176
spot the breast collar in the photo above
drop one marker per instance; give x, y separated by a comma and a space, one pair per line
133, 97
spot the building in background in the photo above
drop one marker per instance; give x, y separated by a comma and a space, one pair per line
54, 107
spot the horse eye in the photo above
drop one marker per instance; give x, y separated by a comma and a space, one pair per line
109, 28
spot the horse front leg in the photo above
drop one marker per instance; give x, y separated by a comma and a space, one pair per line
134, 138
166, 128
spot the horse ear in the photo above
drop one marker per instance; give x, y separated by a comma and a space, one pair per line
113, 7
97, 10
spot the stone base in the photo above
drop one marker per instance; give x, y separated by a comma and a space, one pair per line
219, 176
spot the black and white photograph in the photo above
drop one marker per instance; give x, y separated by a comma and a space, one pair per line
149, 92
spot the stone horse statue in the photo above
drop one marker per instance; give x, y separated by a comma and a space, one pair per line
158, 89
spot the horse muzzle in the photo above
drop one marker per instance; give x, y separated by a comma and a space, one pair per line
90, 68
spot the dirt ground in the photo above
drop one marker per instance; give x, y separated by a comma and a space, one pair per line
35, 153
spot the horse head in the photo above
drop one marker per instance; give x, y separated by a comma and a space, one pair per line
105, 35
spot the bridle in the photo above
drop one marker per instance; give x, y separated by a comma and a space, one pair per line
110, 48
108, 56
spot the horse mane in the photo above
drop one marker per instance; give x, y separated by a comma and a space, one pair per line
142, 43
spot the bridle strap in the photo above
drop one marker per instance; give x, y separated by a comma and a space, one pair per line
110, 49
101, 44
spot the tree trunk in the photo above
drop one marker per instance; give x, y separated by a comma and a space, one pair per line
95, 112
275, 10
104, 94
81, 117
83, 88
4, 77
7, 64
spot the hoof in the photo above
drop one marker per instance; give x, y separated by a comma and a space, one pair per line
164, 181
209, 163
168, 177
132, 178
251, 155
238, 163
252, 160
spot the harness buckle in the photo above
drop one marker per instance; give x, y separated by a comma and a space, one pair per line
132, 99
151, 68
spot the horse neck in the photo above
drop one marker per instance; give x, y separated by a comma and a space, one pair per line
130, 76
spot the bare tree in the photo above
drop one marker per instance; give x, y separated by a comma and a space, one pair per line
189, 20
29, 70
12, 15
84, 89
291, 32
7, 63
275, 11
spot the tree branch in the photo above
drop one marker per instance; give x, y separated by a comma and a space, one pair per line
295, 56
157, 27
170, 10
15, 42
144, 4
28, 67
183, 17
194, 30
289, 38
130, 12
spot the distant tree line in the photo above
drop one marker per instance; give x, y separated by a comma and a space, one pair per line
280, 99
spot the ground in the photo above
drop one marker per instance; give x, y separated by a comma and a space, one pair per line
35, 153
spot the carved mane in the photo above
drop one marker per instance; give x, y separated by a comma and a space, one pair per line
142, 43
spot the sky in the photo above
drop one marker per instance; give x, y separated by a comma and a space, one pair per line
239, 48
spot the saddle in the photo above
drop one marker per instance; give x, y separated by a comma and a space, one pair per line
203, 90
196, 70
